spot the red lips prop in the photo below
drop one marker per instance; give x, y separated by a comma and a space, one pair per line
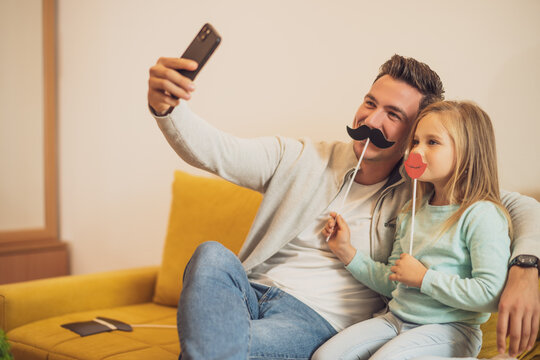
414, 165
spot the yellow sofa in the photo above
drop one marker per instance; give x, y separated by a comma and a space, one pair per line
202, 209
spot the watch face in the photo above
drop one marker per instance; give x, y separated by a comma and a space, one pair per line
526, 260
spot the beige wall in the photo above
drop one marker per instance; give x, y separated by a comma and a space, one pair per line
294, 68
21, 116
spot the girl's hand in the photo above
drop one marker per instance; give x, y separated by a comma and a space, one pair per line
340, 238
408, 270
330, 224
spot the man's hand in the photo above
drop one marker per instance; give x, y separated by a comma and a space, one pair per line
519, 311
408, 270
340, 238
166, 86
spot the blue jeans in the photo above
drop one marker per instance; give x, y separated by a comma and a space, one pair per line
389, 338
221, 315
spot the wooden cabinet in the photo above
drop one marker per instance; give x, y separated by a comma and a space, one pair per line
30, 261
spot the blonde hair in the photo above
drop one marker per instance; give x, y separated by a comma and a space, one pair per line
475, 175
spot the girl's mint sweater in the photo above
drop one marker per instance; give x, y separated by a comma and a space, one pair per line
467, 265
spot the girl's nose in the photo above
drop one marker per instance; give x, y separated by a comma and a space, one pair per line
416, 149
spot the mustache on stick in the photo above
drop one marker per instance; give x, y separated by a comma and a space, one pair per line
375, 135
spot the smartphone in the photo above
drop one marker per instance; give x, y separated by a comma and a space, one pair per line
201, 48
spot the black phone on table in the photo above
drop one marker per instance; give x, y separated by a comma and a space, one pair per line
201, 48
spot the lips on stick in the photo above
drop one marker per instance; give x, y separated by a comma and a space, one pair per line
415, 167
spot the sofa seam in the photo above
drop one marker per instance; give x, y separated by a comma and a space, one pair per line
56, 352
147, 347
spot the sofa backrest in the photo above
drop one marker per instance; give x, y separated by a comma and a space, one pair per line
202, 209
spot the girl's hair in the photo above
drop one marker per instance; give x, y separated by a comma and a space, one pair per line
475, 175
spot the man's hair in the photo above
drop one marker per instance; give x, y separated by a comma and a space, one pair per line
416, 74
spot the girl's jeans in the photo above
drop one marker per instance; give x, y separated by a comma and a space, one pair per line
389, 338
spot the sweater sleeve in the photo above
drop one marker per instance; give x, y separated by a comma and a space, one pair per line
525, 214
375, 274
485, 231
247, 162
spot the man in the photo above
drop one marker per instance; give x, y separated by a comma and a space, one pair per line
289, 293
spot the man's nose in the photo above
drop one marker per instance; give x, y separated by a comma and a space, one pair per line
375, 120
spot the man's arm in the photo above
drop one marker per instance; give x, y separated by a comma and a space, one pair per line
247, 162
519, 307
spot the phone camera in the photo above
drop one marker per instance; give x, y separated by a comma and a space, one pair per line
204, 33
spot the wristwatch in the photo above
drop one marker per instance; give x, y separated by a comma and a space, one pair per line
525, 261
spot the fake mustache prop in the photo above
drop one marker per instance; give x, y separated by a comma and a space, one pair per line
375, 135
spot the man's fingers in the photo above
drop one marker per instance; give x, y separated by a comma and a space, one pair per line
525, 334
171, 75
167, 87
178, 63
519, 310
161, 103
534, 330
502, 330
515, 333
162, 98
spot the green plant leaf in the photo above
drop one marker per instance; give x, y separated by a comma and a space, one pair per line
4, 347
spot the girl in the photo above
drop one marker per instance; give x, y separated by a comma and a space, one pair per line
452, 281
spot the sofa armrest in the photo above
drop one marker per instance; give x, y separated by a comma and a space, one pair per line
25, 302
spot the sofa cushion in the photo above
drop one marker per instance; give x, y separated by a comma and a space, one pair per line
57, 343
201, 203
